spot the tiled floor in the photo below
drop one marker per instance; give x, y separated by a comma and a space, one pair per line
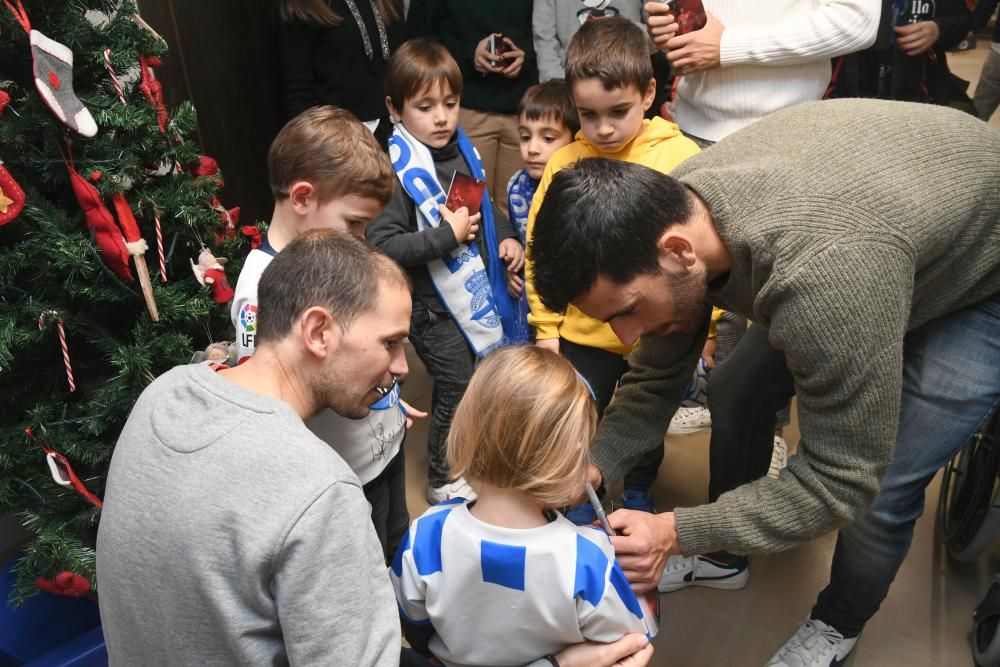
925, 622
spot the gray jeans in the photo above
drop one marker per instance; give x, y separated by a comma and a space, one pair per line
987, 96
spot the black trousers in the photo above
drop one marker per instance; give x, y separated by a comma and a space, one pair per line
387, 496
603, 369
744, 392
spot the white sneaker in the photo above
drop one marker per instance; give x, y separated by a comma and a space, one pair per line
687, 421
458, 488
779, 457
815, 644
683, 571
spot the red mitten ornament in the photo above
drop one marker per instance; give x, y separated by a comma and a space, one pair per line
53, 69
11, 196
107, 236
69, 584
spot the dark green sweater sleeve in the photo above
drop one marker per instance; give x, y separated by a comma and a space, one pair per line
840, 316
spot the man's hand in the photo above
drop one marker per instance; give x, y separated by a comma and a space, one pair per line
411, 413
515, 60
484, 61
512, 253
917, 38
697, 51
661, 24
549, 344
630, 651
642, 543
463, 225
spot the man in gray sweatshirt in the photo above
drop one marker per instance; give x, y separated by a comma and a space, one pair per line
230, 533
854, 232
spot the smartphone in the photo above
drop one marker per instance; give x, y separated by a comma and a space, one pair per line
465, 191
690, 15
497, 47
649, 602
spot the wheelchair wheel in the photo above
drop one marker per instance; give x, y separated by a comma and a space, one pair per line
986, 623
969, 506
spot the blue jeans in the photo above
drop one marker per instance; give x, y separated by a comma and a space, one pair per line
951, 385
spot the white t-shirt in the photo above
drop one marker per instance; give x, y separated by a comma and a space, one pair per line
367, 444
503, 596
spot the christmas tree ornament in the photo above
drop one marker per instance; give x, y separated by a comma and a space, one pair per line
62, 472
52, 64
11, 196
136, 247
152, 89
4, 101
114, 77
211, 271
159, 248
65, 583
230, 218
46, 317
107, 235
252, 233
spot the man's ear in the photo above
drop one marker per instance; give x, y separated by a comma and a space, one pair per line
300, 195
393, 111
650, 95
320, 332
675, 250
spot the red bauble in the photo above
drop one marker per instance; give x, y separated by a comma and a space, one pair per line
69, 584
11, 196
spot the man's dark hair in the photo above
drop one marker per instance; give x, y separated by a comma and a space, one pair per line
601, 217
324, 268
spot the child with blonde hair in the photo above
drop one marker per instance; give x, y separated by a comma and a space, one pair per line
507, 565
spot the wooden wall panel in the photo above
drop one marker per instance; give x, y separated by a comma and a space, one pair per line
223, 58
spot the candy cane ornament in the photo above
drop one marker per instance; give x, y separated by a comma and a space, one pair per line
54, 315
114, 77
159, 248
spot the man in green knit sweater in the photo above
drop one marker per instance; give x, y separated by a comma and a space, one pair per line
865, 235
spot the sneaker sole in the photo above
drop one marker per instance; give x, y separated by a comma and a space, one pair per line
675, 432
731, 583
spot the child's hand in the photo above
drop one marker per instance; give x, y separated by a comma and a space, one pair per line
708, 353
515, 60
464, 226
484, 61
512, 253
917, 38
515, 285
411, 413
551, 344
661, 24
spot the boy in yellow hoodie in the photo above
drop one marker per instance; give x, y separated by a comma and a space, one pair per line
611, 80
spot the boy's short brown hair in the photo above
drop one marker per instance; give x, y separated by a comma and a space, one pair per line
550, 100
614, 50
525, 422
417, 65
334, 151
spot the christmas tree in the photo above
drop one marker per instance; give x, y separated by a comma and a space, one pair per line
93, 306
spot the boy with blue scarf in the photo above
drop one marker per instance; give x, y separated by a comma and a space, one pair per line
464, 268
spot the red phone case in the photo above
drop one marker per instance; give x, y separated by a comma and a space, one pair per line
690, 15
465, 191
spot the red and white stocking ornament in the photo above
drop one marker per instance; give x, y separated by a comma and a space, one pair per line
11, 196
53, 69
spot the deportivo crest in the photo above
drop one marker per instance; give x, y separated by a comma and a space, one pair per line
483, 308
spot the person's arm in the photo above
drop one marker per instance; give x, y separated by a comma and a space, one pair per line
411, 594
646, 398
297, 51
841, 325
545, 322
833, 28
605, 615
544, 36
394, 232
329, 585
954, 20
502, 226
